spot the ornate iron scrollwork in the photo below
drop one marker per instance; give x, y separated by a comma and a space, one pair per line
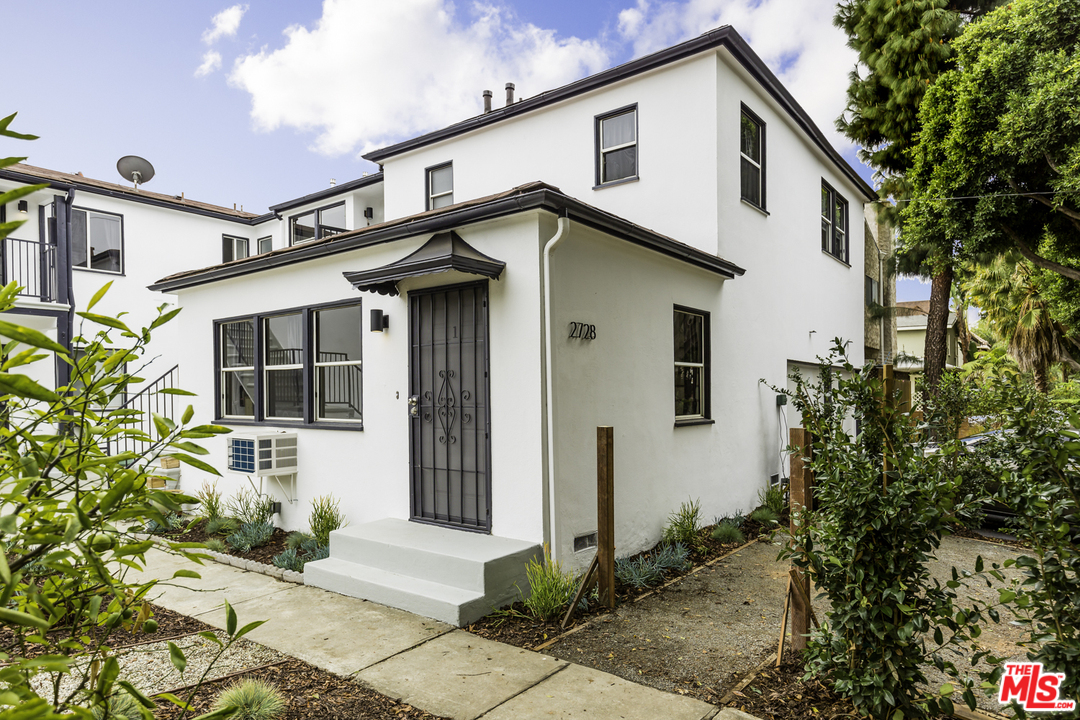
447, 406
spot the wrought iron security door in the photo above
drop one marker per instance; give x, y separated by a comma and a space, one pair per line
448, 407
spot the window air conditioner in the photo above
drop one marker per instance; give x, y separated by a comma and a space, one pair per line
262, 454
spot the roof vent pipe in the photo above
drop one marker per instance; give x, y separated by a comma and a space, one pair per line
487, 101
509, 94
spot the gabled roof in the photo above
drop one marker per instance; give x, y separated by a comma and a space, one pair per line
32, 175
531, 196
725, 37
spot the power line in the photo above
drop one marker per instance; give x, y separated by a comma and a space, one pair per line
979, 197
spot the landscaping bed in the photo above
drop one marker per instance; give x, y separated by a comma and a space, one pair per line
196, 532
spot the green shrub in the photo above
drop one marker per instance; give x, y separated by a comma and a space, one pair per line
301, 549
295, 540
640, 572
217, 545
550, 589
671, 557
249, 506
213, 507
765, 516
737, 519
728, 534
251, 535
173, 521
121, 707
772, 497
325, 518
221, 526
255, 700
684, 524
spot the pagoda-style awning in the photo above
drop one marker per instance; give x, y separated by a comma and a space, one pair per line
445, 251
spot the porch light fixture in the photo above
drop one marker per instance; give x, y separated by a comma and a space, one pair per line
379, 321
23, 207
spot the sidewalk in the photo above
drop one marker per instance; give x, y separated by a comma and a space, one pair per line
423, 662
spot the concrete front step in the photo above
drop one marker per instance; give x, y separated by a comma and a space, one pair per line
446, 574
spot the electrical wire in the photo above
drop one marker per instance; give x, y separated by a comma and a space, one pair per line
979, 197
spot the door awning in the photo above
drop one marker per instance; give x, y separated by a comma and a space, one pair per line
445, 251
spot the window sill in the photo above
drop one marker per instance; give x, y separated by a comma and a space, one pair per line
760, 209
687, 422
119, 273
321, 425
842, 262
613, 183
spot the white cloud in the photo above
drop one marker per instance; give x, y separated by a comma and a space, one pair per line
211, 62
224, 24
372, 72
795, 38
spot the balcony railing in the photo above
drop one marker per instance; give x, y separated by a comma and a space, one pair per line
33, 265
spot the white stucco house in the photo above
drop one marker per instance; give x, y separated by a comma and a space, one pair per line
635, 249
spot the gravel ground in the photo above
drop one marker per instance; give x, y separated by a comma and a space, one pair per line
702, 634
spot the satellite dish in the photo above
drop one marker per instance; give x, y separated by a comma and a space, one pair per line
135, 169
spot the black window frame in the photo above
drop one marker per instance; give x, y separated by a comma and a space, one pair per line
828, 250
123, 252
260, 417
871, 291
428, 197
320, 227
706, 374
234, 240
598, 149
762, 145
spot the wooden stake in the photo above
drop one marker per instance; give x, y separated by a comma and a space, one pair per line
783, 622
605, 511
582, 589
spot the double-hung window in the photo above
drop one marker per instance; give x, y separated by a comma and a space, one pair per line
233, 248
440, 186
265, 244
616, 146
317, 224
97, 240
752, 158
834, 223
691, 364
292, 367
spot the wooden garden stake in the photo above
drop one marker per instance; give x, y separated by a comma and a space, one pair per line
800, 488
587, 581
783, 622
605, 511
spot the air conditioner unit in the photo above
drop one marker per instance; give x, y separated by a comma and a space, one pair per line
262, 454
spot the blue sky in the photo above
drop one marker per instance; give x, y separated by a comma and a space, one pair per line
261, 102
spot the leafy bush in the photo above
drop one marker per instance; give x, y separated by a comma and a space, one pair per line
295, 540
221, 526
325, 518
170, 522
217, 545
121, 707
728, 534
251, 535
639, 572
255, 699
213, 507
765, 516
249, 506
772, 497
301, 549
671, 557
736, 520
684, 524
550, 589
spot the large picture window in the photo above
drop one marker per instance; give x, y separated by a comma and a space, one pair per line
317, 224
616, 146
752, 158
691, 364
97, 240
834, 222
292, 367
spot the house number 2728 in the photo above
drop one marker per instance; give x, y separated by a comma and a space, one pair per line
582, 331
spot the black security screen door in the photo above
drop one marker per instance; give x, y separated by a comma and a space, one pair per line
448, 402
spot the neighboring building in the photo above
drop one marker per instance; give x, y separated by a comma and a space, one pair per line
879, 292
911, 337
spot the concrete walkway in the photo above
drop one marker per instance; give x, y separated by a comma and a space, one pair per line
423, 662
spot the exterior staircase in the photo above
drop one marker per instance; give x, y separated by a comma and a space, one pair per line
450, 575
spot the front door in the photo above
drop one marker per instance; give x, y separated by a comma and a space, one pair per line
448, 407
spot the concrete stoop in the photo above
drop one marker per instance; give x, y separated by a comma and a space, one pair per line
450, 575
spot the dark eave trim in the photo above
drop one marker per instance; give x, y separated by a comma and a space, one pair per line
443, 252
541, 199
721, 37
131, 197
328, 192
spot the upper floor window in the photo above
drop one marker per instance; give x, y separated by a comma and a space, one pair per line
871, 291
97, 240
691, 364
752, 155
834, 223
233, 248
316, 224
440, 186
616, 145
265, 244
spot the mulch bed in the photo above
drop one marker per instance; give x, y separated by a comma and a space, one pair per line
779, 693
195, 532
310, 693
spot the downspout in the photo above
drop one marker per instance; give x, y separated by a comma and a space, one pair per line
560, 234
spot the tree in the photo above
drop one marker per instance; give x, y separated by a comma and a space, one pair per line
904, 45
997, 164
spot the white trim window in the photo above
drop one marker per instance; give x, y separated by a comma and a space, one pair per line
283, 366
233, 248
440, 186
265, 244
237, 342
97, 240
338, 373
834, 222
617, 140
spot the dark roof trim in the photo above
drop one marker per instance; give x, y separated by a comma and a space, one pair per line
131, 197
445, 251
328, 192
542, 198
721, 37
